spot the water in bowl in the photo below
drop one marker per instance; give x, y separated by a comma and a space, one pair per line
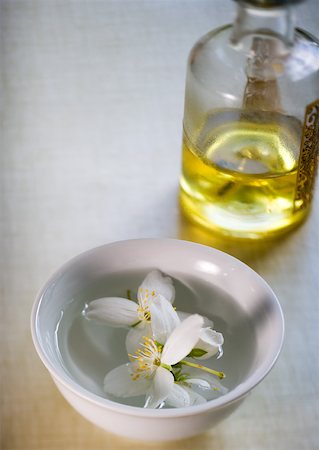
88, 349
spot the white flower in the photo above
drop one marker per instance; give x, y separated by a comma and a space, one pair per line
210, 343
150, 371
121, 312
158, 343
194, 388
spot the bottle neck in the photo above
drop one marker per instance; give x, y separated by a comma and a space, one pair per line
272, 23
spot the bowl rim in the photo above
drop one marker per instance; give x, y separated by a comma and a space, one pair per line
59, 374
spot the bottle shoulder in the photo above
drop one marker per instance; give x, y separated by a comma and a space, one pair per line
215, 52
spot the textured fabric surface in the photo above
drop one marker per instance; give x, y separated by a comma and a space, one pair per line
91, 112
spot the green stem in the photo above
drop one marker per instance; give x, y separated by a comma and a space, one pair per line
220, 375
166, 366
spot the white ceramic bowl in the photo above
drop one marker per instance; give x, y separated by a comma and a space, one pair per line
208, 281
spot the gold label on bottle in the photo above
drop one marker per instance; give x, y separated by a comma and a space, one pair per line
308, 159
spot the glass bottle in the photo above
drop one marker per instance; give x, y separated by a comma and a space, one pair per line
251, 123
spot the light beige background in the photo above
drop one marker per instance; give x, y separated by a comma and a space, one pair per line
91, 113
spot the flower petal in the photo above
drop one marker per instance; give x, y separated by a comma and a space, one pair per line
119, 383
182, 396
115, 311
195, 397
182, 340
198, 379
198, 382
183, 315
164, 319
134, 337
155, 284
161, 386
178, 397
210, 341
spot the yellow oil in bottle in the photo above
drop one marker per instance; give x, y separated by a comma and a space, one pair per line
239, 173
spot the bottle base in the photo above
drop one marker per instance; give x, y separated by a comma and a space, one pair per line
249, 226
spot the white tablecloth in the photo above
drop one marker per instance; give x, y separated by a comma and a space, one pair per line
91, 118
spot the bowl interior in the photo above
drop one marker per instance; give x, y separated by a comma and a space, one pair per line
208, 282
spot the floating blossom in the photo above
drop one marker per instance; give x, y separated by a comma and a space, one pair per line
152, 364
159, 344
165, 319
194, 388
119, 312
152, 368
209, 344
156, 289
